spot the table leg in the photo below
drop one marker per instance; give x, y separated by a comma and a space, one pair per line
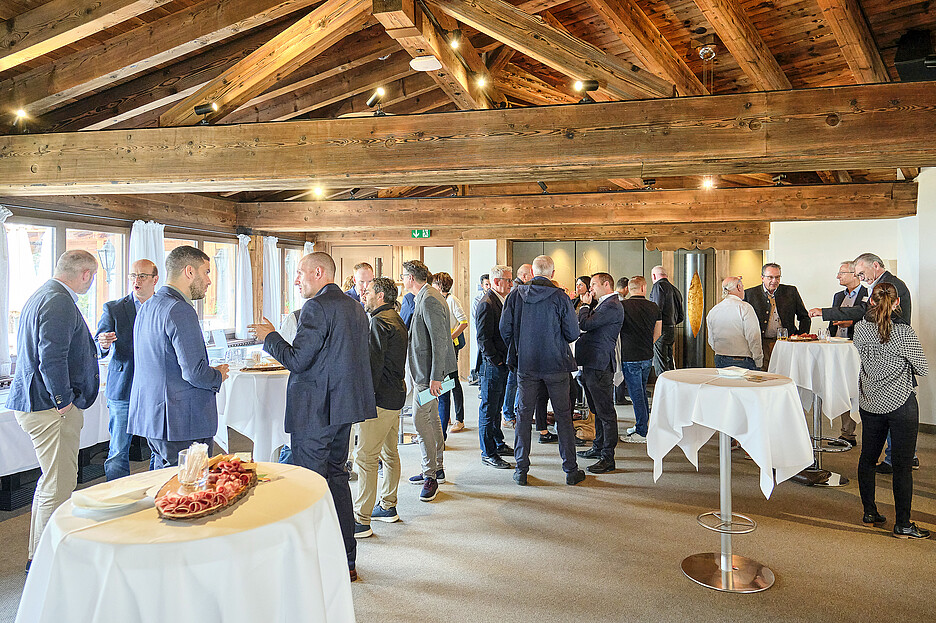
834, 479
723, 570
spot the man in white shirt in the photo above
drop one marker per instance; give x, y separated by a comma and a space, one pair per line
734, 330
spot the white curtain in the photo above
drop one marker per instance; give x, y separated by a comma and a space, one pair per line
308, 248
146, 243
4, 293
272, 281
243, 288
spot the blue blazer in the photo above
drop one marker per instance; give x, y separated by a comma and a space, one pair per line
173, 395
118, 317
330, 381
56, 359
600, 327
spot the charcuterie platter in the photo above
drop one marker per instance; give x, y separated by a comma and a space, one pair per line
229, 479
808, 337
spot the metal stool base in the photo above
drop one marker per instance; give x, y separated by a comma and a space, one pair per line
746, 576
835, 480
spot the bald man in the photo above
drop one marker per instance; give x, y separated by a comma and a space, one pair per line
115, 338
669, 300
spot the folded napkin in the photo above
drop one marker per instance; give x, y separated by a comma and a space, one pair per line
733, 371
112, 494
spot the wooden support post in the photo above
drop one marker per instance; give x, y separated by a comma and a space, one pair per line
722, 270
504, 251
256, 274
461, 273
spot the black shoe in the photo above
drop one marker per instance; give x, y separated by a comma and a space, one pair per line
548, 438
573, 478
626, 401
496, 462
601, 467
591, 453
875, 518
884, 468
581, 443
520, 478
911, 532
915, 464
505, 449
851, 442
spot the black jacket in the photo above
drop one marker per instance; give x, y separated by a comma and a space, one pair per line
669, 300
860, 297
857, 312
487, 323
537, 324
790, 308
388, 357
600, 325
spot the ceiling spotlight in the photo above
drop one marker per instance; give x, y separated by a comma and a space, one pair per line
354, 191
708, 183
454, 191
543, 187
455, 38
586, 86
206, 109
648, 182
376, 97
319, 192
481, 81
707, 52
20, 114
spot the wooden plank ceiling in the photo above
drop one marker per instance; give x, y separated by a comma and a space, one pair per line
79, 65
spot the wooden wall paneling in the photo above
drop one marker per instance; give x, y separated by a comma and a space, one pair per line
462, 289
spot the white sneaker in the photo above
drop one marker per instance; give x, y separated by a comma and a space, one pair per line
635, 438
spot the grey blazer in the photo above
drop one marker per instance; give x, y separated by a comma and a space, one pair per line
431, 352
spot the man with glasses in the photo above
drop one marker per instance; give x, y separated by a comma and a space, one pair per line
115, 338
777, 307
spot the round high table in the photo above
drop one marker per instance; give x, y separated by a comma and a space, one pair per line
275, 555
254, 404
827, 374
762, 411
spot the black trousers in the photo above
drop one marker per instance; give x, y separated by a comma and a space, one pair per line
599, 389
663, 350
529, 388
325, 451
903, 425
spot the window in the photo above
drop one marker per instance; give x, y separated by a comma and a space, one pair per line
110, 281
31, 263
171, 243
291, 299
219, 302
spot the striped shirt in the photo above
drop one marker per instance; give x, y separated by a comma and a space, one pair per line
886, 378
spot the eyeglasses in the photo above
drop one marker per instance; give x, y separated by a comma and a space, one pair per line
845, 272
772, 277
140, 276
403, 276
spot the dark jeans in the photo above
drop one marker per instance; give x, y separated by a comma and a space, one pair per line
493, 386
599, 389
556, 387
902, 425
166, 453
325, 451
663, 351
726, 361
636, 374
445, 403
510, 397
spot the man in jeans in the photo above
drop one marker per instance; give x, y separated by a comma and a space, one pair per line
733, 329
431, 359
377, 438
493, 369
643, 325
524, 275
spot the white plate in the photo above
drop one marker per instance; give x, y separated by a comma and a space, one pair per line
109, 495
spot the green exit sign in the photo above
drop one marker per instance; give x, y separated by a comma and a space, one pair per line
422, 233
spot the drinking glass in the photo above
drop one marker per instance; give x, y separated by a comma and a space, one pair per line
823, 334
782, 334
234, 358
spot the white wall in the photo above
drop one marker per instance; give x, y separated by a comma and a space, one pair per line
439, 259
924, 300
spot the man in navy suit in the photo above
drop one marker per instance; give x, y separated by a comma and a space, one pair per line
330, 383
115, 329
594, 351
173, 404
493, 369
56, 378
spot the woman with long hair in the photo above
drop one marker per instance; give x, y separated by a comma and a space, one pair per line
890, 357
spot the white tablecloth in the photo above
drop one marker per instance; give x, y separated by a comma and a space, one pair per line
275, 556
690, 405
829, 369
254, 404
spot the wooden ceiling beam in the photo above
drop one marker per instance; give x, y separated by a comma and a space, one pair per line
851, 127
523, 85
776, 203
139, 50
644, 39
745, 44
406, 22
498, 60
405, 96
554, 48
850, 26
289, 50
59, 23
472, 57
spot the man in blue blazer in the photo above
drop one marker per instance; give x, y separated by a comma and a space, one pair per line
172, 401
330, 383
115, 338
594, 351
56, 378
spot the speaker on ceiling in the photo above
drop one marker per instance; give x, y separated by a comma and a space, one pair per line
915, 61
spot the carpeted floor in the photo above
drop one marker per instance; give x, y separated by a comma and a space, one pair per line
609, 549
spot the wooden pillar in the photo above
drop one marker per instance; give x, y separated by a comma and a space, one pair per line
256, 272
722, 270
504, 252
669, 264
462, 290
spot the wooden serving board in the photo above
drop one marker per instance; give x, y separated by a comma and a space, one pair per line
173, 487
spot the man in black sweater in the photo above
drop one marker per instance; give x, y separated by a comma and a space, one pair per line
493, 368
669, 300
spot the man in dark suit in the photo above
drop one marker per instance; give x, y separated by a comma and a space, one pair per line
56, 378
594, 351
174, 405
669, 299
777, 307
363, 275
115, 338
870, 270
493, 370
330, 384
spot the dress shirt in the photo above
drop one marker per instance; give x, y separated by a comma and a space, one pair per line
733, 330
73, 294
773, 320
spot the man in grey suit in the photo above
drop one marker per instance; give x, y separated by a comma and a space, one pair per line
330, 383
431, 359
173, 404
56, 378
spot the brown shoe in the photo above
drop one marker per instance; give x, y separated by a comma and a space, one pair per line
510, 423
354, 575
457, 427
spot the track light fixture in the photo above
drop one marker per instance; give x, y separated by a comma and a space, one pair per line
454, 191
354, 191
375, 99
454, 37
586, 86
543, 187
206, 109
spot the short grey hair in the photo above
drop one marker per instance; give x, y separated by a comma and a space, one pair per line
849, 264
729, 285
869, 259
72, 263
543, 266
501, 272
